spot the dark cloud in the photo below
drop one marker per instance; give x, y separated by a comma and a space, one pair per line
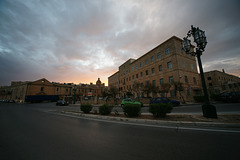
79, 41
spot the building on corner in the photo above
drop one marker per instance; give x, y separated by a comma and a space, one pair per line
166, 63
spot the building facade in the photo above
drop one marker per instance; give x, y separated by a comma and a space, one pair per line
166, 63
43, 90
218, 82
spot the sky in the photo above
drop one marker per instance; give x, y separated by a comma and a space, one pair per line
79, 41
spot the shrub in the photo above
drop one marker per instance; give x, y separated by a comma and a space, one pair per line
86, 108
132, 110
160, 109
105, 109
199, 98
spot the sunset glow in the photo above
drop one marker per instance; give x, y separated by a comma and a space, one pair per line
80, 41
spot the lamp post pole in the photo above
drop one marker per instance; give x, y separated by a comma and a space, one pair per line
206, 97
209, 110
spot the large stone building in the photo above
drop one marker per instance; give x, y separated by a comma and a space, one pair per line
166, 63
218, 82
43, 90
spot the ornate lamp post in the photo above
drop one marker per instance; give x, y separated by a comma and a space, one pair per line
199, 37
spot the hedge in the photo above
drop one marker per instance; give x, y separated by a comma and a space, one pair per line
160, 109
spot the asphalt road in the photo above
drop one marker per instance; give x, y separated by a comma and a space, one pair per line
30, 132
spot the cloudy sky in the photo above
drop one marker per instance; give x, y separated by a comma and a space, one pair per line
80, 40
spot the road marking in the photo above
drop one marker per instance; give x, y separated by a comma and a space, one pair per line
147, 125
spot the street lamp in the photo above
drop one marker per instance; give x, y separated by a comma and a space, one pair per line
199, 37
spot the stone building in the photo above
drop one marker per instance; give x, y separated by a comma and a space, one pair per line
166, 63
43, 90
218, 82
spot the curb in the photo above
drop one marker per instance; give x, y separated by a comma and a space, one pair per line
157, 122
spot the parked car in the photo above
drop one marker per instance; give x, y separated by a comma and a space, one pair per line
229, 97
11, 101
61, 103
130, 101
164, 100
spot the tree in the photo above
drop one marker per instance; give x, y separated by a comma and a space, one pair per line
179, 88
105, 93
113, 91
137, 88
150, 88
165, 88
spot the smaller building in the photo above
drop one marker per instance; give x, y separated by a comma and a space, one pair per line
43, 90
218, 82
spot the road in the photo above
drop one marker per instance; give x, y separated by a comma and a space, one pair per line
28, 131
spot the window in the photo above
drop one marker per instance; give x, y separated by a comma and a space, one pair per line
147, 82
154, 83
183, 64
181, 50
57, 89
141, 84
140, 64
152, 59
192, 66
171, 79
136, 66
42, 89
141, 74
161, 81
146, 62
160, 67
172, 93
146, 72
133, 77
153, 70
194, 80
210, 84
136, 75
169, 65
167, 51
132, 68
209, 78
159, 55
129, 78
186, 79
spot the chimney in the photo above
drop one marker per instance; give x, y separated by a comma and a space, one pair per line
223, 71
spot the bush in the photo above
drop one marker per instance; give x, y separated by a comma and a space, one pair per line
160, 109
105, 109
199, 98
86, 108
132, 110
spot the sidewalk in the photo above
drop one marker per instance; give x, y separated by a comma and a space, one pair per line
176, 120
